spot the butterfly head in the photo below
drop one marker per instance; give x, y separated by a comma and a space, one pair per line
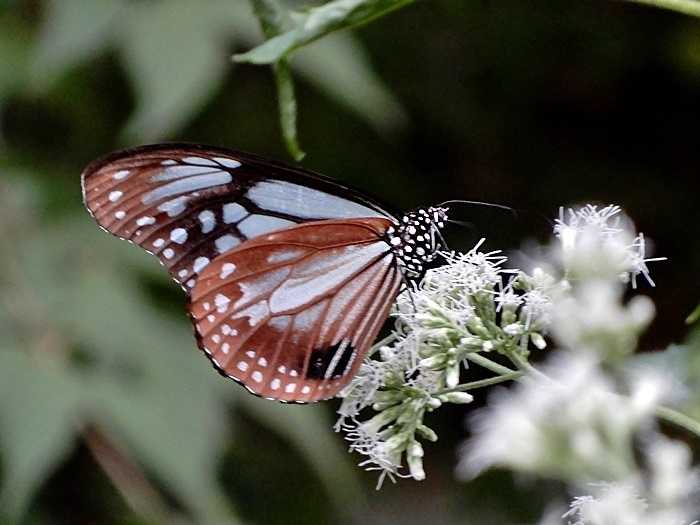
416, 239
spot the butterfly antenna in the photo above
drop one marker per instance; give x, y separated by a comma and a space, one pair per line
466, 224
479, 203
442, 239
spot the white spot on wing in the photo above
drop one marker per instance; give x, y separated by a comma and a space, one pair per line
226, 242
199, 160
290, 388
260, 285
294, 199
207, 220
258, 224
145, 221
187, 185
275, 384
233, 212
158, 243
115, 195
255, 313
225, 348
180, 172
257, 376
120, 175
168, 253
178, 235
221, 302
199, 264
229, 163
120, 214
174, 207
286, 255
226, 270
242, 366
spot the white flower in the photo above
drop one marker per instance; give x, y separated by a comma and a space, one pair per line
572, 427
601, 243
615, 504
673, 481
593, 317
632, 502
379, 455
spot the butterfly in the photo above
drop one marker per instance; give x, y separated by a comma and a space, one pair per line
289, 275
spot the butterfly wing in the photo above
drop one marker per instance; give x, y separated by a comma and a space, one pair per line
291, 314
189, 204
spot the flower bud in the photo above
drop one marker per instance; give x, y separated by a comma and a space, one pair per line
427, 433
434, 403
513, 329
452, 376
538, 341
435, 362
460, 398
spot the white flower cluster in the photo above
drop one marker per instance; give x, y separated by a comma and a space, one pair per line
665, 497
573, 425
597, 242
466, 308
574, 422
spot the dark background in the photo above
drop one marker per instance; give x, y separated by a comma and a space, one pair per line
530, 104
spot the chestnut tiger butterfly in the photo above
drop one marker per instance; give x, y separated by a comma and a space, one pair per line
289, 275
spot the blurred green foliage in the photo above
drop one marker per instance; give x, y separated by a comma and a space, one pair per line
74, 365
108, 414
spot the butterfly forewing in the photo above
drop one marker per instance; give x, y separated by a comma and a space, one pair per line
190, 204
292, 313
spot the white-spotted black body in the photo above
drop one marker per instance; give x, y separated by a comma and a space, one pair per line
415, 239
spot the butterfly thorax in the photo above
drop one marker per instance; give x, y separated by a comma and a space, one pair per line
415, 239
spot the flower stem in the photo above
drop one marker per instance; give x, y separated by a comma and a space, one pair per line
679, 419
481, 383
488, 364
688, 7
524, 366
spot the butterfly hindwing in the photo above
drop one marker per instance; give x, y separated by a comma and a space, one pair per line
189, 204
291, 314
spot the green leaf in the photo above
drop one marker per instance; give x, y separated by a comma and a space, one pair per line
172, 56
273, 16
339, 66
14, 49
39, 418
694, 316
175, 52
318, 22
73, 31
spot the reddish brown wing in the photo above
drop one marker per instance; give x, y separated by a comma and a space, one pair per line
291, 314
